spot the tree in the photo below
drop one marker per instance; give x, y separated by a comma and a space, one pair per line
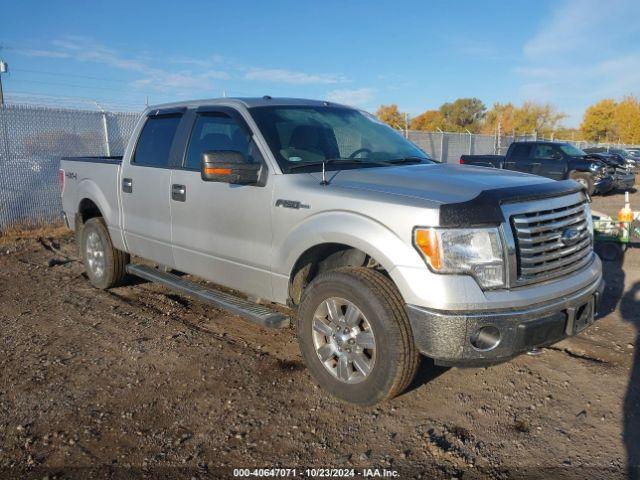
429, 121
627, 120
530, 117
463, 114
536, 117
503, 113
599, 122
390, 115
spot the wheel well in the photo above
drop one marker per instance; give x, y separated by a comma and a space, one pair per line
322, 258
87, 209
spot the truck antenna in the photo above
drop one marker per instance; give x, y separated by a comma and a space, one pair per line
324, 176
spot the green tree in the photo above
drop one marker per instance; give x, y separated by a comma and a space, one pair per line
463, 114
599, 122
429, 121
390, 115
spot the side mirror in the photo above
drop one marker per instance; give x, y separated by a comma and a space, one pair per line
556, 156
228, 166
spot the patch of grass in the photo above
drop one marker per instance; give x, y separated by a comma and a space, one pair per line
15, 233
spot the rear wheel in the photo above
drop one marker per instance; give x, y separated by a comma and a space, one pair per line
104, 265
584, 179
355, 336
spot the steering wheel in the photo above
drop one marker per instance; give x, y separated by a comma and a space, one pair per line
359, 151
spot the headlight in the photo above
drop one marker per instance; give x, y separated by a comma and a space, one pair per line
471, 251
587, 212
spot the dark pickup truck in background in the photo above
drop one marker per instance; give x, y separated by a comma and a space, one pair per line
559, 161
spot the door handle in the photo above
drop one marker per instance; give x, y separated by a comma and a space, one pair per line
178, 192
127, 185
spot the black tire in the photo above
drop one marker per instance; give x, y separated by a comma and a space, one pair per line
377, 298
609, 251
113, 272
585, 179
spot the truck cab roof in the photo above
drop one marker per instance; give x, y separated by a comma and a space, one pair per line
248, 102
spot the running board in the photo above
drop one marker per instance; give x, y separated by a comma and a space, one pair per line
254, 312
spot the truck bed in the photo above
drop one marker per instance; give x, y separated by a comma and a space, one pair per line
117, 159
96, 178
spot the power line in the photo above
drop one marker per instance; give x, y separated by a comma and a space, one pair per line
58, 74
61, 84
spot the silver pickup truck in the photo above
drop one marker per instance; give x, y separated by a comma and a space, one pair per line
380, 253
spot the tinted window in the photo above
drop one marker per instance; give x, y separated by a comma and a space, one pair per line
572, 151
521, 151
300, 135
215, 132
546, 151
155, 141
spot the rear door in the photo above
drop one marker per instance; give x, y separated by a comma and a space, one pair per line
222, 232
520, 158
145, 185
549, 161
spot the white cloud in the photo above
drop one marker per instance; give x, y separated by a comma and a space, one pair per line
583, 52
360, 97
181, 75
278, 75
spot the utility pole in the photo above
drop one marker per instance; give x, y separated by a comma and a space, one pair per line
4, 68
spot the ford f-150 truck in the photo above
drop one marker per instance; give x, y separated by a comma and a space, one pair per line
558, 161
379, 253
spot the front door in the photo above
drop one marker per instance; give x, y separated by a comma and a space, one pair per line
548, 162
145, 186
222, 232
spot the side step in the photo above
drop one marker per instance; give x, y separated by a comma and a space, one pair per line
251, 311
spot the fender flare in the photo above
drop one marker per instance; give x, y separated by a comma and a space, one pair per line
363, 233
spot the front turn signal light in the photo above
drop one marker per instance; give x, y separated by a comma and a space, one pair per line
428, 243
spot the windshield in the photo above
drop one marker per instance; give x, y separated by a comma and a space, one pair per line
571, 150
302, 137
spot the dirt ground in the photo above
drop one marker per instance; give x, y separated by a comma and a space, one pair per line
140, 382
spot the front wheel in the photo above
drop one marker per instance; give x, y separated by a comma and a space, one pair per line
355, 336
584, 179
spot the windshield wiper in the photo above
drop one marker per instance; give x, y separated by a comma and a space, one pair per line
334, 161
398, 161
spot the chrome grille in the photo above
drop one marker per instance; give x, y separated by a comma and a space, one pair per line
541, 252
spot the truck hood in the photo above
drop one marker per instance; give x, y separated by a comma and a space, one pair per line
440, 183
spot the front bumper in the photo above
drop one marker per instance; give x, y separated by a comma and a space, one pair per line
604, 185
625, 181
446, 336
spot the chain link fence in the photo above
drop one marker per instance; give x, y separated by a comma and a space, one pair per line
448, 147
33, 139
32, 142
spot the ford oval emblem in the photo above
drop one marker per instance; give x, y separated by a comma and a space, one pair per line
570, 236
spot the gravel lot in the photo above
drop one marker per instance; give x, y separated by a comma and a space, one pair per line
140, 382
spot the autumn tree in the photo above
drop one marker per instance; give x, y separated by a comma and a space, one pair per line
599, 122
463, 114
390, 115
429, 121
503, 113
627, 120
528, 118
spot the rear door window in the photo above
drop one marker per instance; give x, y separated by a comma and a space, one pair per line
155, 141
521, 151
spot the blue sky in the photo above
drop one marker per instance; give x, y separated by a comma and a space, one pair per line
417, 54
